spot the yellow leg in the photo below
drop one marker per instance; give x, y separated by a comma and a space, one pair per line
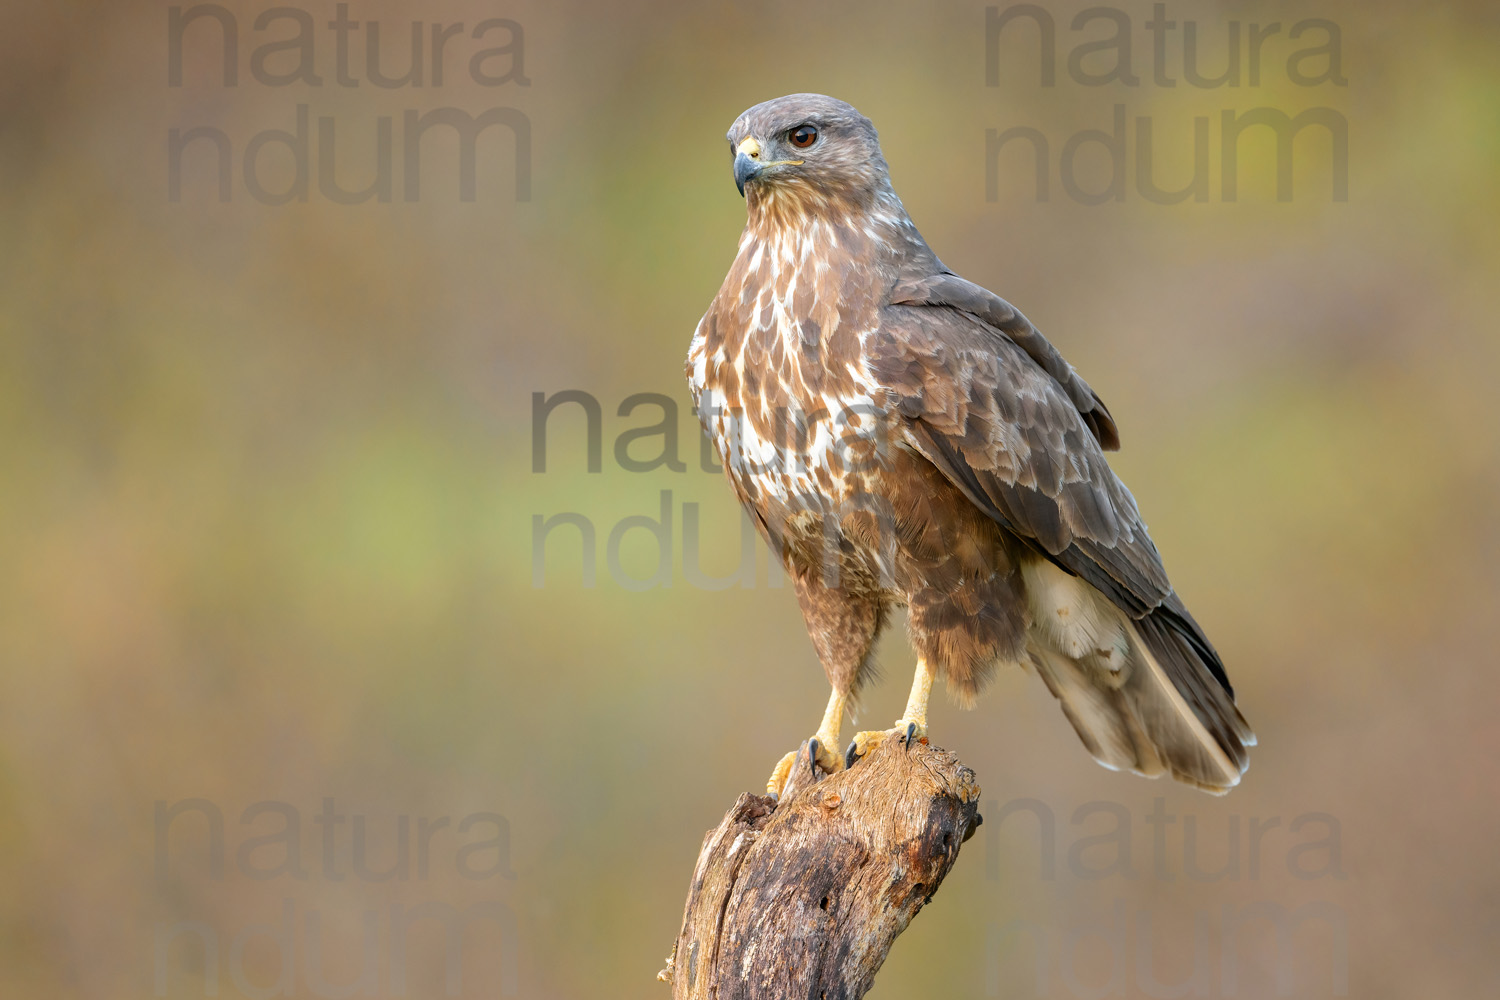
913, 721
833, 720
828, 741
916, 702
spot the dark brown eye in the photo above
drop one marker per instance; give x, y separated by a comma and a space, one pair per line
804, 136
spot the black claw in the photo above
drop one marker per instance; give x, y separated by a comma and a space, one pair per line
812, 756
851, 755
911, 730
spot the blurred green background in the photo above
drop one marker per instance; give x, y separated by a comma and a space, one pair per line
267, 496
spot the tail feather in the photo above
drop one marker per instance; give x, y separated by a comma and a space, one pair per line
1165, 711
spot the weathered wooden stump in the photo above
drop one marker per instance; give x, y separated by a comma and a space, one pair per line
804, 898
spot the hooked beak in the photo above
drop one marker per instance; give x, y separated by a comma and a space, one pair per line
747, 165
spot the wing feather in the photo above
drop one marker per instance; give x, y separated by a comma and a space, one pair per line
947, 289
1007, 433
1001, 426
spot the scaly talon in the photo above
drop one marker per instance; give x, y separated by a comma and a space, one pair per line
863, 743
911, 726
782, 771
822, 754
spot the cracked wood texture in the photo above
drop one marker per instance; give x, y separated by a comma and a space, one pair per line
804, 898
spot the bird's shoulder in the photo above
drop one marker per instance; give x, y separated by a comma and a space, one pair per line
953, 312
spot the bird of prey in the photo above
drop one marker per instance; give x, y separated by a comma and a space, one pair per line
903, 437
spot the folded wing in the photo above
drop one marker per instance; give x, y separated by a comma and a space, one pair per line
1003, 417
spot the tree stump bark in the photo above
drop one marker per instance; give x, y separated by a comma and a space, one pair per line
804, 898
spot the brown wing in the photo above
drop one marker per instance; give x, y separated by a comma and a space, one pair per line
948, 289
1022, 447
1006, 432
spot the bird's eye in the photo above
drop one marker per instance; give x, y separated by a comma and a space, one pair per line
804, 136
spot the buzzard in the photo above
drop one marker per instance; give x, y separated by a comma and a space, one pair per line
902, 437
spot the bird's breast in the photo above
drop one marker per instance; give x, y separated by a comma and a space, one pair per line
778, 368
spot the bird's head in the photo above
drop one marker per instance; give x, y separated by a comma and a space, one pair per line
806, 151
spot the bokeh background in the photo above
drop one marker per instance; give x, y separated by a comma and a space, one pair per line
267, 496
